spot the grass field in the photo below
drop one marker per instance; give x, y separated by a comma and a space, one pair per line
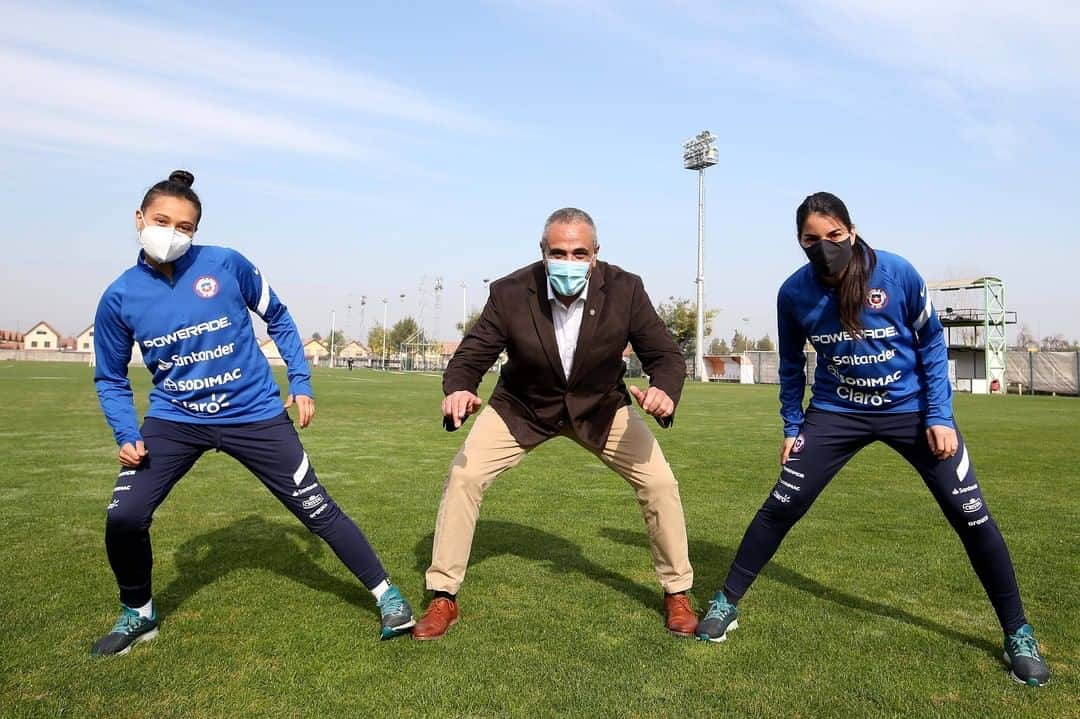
869, 608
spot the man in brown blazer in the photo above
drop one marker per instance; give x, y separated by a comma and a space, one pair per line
563, 322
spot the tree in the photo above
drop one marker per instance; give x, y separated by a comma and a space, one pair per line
765, 344
375, 341
1057, 343
719, 346
403, 330
680, 317
337, 337
316, 336
1025, 339
464, 327
739, 342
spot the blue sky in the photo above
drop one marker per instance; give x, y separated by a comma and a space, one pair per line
364, 149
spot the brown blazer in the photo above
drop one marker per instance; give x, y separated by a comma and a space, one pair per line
533, 396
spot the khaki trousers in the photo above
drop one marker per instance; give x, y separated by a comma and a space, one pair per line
490, 449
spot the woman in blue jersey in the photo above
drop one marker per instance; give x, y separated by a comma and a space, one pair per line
882, 375
187, 307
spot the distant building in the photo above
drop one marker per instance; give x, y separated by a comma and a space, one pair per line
41, 336
84, 341
315, 351
11, 340
354, 351
270, 350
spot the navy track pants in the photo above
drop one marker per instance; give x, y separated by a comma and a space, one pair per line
270, 449
826, 442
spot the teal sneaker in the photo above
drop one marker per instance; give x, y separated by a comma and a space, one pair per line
130, 629
1022, 656
721, 618
397, 616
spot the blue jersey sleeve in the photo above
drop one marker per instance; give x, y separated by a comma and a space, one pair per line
792, 340
930, 347
264, 302
112, 353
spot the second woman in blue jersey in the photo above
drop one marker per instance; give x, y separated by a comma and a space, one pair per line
882, 375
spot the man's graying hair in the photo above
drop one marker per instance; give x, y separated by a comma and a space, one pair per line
566, 216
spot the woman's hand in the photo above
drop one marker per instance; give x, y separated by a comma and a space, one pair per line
943, 441
785, 449
305, 406
131, 455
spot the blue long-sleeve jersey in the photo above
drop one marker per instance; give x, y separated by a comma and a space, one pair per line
899, 365
197, 340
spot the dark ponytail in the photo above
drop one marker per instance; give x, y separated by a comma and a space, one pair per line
178, 185
855, 283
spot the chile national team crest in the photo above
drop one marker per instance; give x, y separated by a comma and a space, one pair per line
206, 287
876, 298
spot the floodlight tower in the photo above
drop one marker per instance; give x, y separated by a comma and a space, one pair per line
464, 305
385, 304
438, 308
700, 152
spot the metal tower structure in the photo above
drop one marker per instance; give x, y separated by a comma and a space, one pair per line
990, 314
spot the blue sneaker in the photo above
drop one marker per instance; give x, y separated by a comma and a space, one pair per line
130, 629
721, 618
397, 616
1022, 656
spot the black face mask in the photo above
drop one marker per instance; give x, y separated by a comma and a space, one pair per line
829, 258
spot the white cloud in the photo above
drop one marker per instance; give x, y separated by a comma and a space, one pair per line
95, 79
58, 101
1000, 45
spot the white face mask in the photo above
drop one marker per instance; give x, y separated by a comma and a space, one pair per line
163, 244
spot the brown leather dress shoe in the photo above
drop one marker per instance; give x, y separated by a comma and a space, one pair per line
439, 616
681, 619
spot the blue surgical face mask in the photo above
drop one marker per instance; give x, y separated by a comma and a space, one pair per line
568, 277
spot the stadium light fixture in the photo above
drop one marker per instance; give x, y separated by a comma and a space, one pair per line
699, 152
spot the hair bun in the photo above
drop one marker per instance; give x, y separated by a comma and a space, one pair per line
182, 177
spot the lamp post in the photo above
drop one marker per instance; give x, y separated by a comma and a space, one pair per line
464, 306
385, 305
700, 152
363, 304
333, 319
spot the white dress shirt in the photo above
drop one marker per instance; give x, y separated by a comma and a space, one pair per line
567, 322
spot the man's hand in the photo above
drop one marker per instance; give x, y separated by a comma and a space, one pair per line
785, 449
458, 405
943, 441
305, 405
654, 401
131, 455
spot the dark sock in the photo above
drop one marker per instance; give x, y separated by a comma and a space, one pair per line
445, 595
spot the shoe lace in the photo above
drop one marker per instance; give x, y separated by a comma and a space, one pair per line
392, 603
128, 622
1024, 645
718, 609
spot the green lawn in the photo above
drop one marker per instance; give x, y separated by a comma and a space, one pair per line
869, 609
